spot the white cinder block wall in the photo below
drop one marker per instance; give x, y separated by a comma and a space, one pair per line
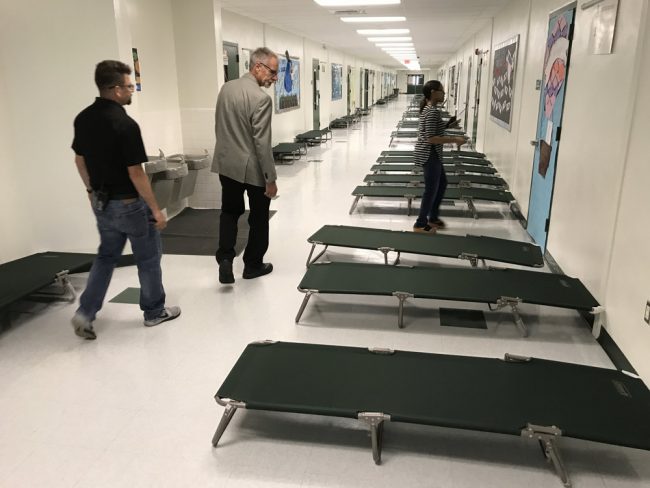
600, 203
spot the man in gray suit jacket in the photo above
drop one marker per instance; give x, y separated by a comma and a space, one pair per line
243, 157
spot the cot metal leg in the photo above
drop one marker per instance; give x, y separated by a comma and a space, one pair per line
410, 204
375, 421
354, 204
385, 251
471, 207
61, 281
547, 437
513, 303
402, 296
311, 261
231, 408
599, 315
308, 294
399, 253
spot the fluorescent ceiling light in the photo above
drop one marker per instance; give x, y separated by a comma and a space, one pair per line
390, 39
351, 3
382, 32
398, 49
373, 19
394, 44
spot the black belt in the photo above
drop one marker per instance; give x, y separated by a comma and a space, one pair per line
123, 196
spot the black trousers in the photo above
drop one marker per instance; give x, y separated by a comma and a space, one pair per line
232, 207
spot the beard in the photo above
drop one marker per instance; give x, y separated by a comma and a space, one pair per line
128, 102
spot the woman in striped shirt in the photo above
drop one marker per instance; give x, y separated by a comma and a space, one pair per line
428, 154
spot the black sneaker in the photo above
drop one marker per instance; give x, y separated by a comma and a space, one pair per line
225, 272
250, 273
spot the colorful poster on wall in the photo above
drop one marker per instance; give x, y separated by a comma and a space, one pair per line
503, 82
287, 88
136, 69
337, 81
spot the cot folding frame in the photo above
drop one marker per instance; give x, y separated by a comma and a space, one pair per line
303, 393
495, 302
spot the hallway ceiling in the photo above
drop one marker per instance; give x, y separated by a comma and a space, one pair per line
438, 27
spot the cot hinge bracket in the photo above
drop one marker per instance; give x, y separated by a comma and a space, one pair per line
231, 408
308, 294
547, 437
513, 303
381, 350
375, 420
472, 258
401, 296
599, 318
464, 184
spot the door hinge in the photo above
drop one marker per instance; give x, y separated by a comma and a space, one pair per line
558, 133
546, 225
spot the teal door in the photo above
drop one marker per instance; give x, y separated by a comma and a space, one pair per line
549, 122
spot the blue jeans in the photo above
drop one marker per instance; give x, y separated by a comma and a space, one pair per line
118, 222
435, 184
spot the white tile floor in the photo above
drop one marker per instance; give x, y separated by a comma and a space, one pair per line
135, 407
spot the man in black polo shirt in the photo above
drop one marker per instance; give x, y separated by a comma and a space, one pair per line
108, 153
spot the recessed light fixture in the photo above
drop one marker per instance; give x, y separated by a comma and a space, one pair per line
372, 19
394, 44
390, 39
348, 3
382, 32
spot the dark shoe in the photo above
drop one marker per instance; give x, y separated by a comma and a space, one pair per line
168, 313
439, 224
250, 273
427, 229
225, 272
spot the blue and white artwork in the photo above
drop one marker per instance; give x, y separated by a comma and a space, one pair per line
337, 81
287, 88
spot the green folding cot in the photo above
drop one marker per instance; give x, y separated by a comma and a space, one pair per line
527, 397
503, 287
418, 179
26, 276
445, 159
289, 151
467, 194
466, 154
449, 168
469, 247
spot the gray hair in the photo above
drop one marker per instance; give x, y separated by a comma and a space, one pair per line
261, 55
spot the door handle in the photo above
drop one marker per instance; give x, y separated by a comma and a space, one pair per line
534, 143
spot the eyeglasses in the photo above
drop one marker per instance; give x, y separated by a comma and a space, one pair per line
130, 87
272, 71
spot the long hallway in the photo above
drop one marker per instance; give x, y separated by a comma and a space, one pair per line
134, 408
